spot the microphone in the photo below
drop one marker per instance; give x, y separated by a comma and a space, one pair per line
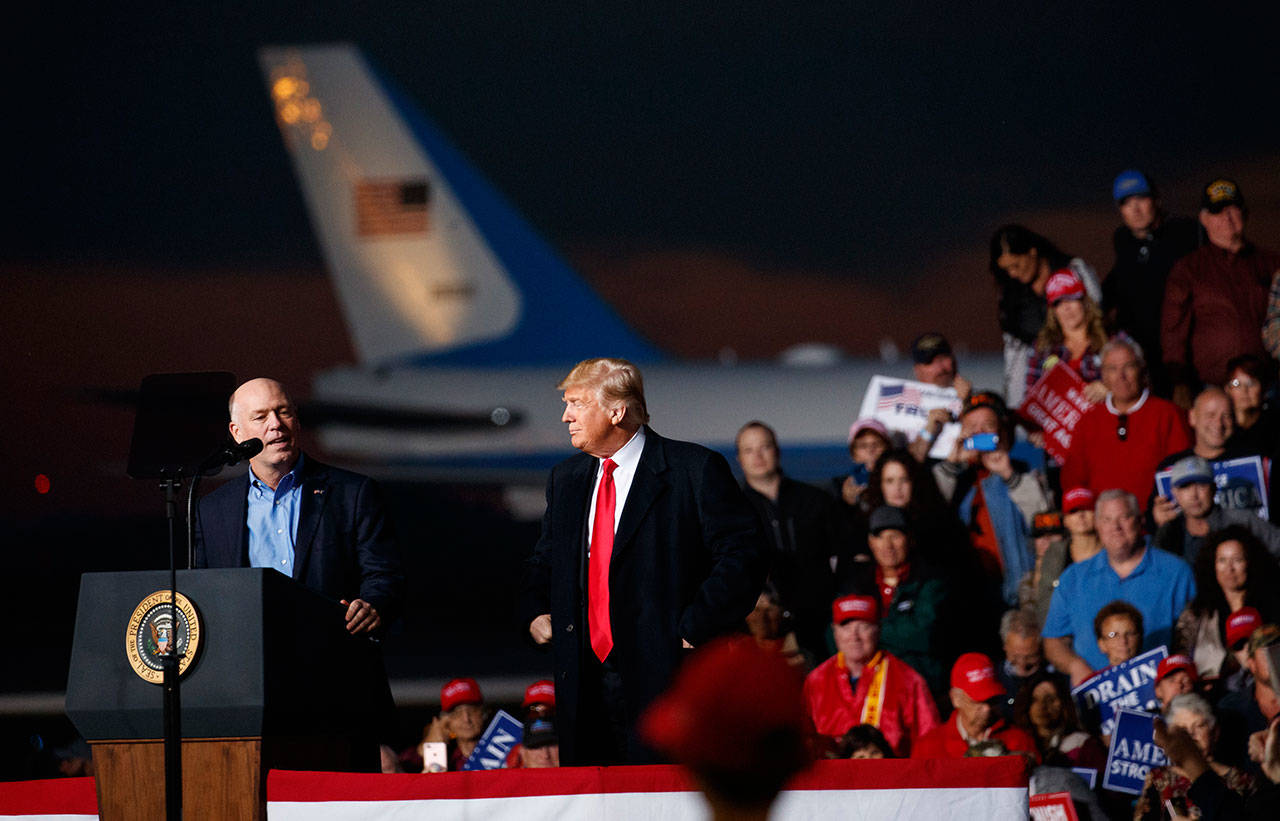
239, 451
231, 453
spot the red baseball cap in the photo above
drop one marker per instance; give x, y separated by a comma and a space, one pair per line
976, 676
1078, 498
1173, 664
1241, 624
460, 691
1063, 284
540, 692
726, 706
848, 608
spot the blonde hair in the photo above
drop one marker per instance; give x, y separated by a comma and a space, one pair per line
614, 380
1095, 328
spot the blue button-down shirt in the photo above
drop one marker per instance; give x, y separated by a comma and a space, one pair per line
273, 520
1160, 586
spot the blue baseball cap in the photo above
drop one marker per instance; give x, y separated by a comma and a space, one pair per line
1128, 184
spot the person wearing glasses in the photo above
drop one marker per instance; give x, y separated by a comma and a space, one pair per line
1118, 627
1120, 441
1250, 380
1157, 583
1257, 422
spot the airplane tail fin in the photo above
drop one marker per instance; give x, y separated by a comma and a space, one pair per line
431, 264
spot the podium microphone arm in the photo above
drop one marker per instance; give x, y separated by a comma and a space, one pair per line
230, 454
191, 522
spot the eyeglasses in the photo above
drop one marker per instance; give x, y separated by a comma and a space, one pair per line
1242, 383
1121, 634
1122, 427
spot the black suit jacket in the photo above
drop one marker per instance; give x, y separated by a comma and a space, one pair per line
344, 548
688, 563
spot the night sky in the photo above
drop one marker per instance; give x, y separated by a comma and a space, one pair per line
851, 137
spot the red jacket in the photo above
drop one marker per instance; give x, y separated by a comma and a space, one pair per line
1099, 461
908, 711
945, 741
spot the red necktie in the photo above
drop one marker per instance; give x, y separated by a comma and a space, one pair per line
598, 564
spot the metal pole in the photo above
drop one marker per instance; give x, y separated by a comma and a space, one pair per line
169, 667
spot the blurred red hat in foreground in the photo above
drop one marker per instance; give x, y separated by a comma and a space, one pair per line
730, 708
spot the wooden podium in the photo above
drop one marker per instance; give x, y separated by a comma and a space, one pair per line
275, 682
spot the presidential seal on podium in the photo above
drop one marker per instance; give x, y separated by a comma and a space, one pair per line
155, 628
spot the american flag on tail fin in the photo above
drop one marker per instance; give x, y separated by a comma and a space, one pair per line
389, 207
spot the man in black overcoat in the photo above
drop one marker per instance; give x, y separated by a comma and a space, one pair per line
622, 597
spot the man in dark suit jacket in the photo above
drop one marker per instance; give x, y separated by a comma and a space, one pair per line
323, 526
674, 559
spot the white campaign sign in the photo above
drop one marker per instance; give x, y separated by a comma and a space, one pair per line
903, 405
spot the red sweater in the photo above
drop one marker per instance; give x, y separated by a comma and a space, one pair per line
908, 711
945, 741
1099, 461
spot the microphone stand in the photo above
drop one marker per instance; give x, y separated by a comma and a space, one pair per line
179, 417
170, 665
171, 659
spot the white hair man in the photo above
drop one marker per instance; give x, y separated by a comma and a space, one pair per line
648, 546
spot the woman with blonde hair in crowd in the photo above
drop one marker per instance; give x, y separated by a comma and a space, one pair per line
1022, 262
1073, 334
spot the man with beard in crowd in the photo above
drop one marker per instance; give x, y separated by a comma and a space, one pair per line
934, 363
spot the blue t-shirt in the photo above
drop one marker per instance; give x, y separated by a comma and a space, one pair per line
1160, 586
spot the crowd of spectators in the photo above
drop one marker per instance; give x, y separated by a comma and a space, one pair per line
945, 607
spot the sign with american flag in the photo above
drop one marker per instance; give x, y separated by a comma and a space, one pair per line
391, 207
903, 405
892, 396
